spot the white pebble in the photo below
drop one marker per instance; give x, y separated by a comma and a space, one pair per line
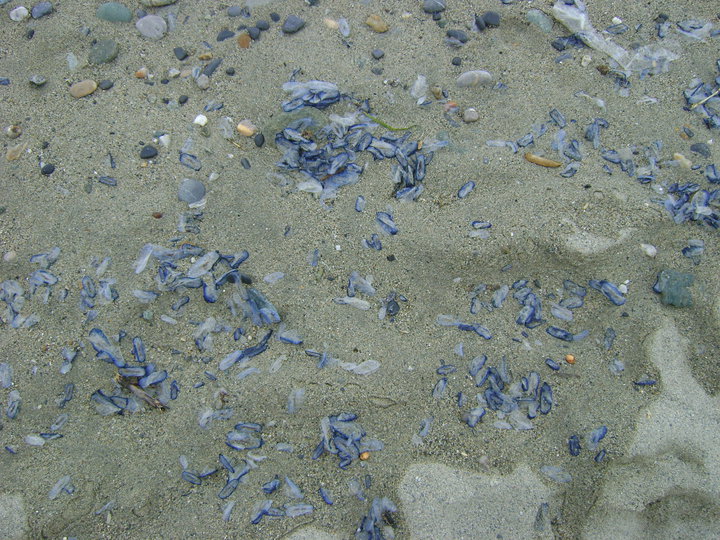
151, 26
10, 256
18, 14
470, 115
649, 249
200, 120
473, 78
203, 82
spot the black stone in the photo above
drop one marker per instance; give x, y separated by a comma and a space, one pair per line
456, 61
461, 36
180, 53
263, 25
292, 24
254, 32
245, 163
434, 6
702, 149
183, 99
274, 17
105, 84
48, 169
377, 70
479, 23
212, 66
259, 140
164, 81
377, 54
230, 71
392, 308
148, 152
225, 34
491, 18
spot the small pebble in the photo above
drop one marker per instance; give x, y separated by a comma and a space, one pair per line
263, 25
470, 115
148, 152
456, 61
539, 19
10, 256
473, 78
230, 71
37, 80
649, 250
157, 3
434, 6
104, 51
41, 9
203, 82
461, 36
180, 53
254, 32
292, 24
244, 40
377, 24
245, 163
259, 140
191, 190
83, 88
48, 169
105, 84
151, 26
183, 99
19, 13
274, 17
234, 11
491, 19
113, 12
223, 35
377, 54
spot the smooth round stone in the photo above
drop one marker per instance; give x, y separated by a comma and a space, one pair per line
191, 190
105, 84
539, 19
113, 12
470, 115
292, 24
434, 6
41, 9
148, 152
491, 19
377, 54
19, 13
203, 82
234, 11
103, 51
47, 169
152, 26
83, 88
275, 17
456, 61
263, 25
473, 78
224, 34
180, 53
254, 32
461, 36
259, 140
157, 3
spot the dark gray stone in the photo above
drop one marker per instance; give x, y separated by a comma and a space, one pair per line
263, 25
377, 54
103, 51
105, 84
113, 12
148, 152
254, 32
434, 6
491, 19
234, 11
461, 36
225, 34
292, 24
180, 53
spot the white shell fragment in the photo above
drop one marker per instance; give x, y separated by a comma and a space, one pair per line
649, 250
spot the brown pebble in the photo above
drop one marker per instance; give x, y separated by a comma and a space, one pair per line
244, 40
543, 162
13, 131
83, 88
157, 215
142, 73
377, 24
14, 152
205, 56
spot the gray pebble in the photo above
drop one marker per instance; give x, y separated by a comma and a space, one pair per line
377, 54
434, 6
47, 169
41, 9
148, 152
456, 61
180, 53
191, 190
157, 3
37, 80
254, 32
491, 19
461, 36
259, 140
212, 66
234, 11
152, 26
292, 24
203, 82
105, 84
263, 25
225, 34
103, 51
113, 12
470, 115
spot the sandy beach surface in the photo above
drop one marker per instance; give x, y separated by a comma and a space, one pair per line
646, 371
